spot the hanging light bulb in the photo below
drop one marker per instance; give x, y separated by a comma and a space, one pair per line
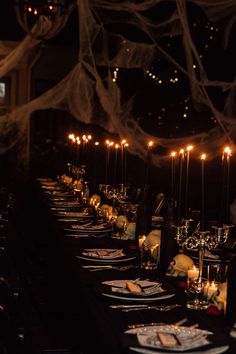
43, 19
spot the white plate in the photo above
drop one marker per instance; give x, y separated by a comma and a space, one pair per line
148, 288
89, 231
189, 338
112, 253
65, 204
122, 283
74, 214
57, 208
132, 297
207, 259
217, 350
116, 260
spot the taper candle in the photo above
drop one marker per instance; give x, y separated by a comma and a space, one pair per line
188, 149
172, 187
115, 164
96, 144
77, 151
106, 160
148, 162
228, 154
181, 160
202, 222
122, 160
73, 142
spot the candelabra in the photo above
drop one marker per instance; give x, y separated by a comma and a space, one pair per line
200, 240
76, 171
115, 194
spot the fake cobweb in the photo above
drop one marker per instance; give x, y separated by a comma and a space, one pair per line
92, 97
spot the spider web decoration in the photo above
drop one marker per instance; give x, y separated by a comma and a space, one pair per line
119, 36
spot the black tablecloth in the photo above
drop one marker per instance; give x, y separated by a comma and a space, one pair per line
101, 329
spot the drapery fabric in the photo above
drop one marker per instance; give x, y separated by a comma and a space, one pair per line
92, 97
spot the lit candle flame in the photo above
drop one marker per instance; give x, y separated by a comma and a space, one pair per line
181, 151
203, 156
123, 141
150, 144
173, 154
117, 146
189, 148
71, 136
96, 143
227, 151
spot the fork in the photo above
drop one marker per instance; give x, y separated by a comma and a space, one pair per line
112, 267
140, 325
158, 308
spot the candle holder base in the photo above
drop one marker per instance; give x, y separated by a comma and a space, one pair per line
197, 305
197, 298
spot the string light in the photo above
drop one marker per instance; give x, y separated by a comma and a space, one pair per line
115, 74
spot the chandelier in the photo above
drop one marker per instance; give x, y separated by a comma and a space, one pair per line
43, 19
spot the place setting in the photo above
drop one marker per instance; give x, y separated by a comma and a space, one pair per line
137, 290
65, 204
105, 255
168, 338
74, 214
89, 228
80, 217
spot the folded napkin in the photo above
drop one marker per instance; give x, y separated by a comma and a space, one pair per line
151, 290
104, 253
88, 227
186, 338
65, 203
73, 213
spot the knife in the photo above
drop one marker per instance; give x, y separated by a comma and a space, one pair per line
140, 325
97, 266
128, 306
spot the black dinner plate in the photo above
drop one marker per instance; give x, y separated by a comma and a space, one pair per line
223, 256
167, 293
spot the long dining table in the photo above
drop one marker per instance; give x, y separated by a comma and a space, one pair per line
101, 321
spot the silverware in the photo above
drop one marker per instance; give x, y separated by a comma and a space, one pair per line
80, 235
158, 308
140, 325
98, 268
121, 306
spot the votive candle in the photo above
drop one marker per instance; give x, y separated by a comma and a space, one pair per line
193, 272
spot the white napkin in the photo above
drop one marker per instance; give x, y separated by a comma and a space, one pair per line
151, 290
189, 338
73, 213
88, 227
104, 253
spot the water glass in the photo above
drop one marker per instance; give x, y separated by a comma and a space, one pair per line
197, 297
149, 255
